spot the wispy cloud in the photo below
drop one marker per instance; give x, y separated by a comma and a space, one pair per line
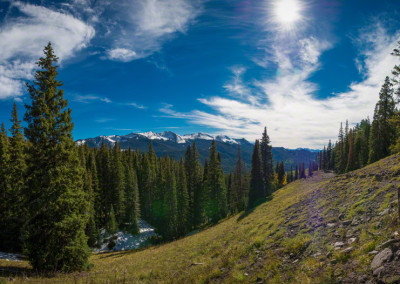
104, 120
141, 27
133, 104
288, 104
34, 28
90, 98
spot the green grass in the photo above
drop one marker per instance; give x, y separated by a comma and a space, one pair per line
282, 240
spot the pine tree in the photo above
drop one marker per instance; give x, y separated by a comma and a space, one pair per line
216, 204
117, 184
14, 210
257, 189
240, 189
4, 188
182, 200
382, 131
296, 173
54, 232
112, 222
132, 211
267, 162
195, 186
351, 160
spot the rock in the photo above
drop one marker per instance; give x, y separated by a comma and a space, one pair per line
295, 261
395, 235
331, 225
338, 244
315, 255
391, 279
362, 279
341, 216
384, 212
381, 258
351, 240
374, 252
388, 243
347, 250
346, 223
378, 271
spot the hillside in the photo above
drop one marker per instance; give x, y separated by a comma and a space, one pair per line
324, 229
172, 144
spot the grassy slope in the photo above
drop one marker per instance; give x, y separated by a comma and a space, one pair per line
286, 239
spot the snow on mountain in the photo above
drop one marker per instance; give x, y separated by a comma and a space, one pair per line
165, 136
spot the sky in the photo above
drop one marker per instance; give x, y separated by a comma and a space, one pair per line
298, 67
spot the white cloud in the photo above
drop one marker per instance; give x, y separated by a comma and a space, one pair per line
122, 54
90, 98
133, 104
142, 27
23, 38
295, 117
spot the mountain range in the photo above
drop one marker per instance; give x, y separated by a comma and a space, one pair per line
170, 143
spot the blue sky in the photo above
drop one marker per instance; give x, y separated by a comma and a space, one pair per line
223, 67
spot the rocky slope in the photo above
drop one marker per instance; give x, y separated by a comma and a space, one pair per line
325, 229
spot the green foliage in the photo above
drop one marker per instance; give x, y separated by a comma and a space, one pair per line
54, 231
257, 189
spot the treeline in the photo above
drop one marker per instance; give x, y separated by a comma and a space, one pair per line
367, 141
56, 197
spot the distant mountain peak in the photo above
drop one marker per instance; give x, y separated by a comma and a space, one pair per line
165, 136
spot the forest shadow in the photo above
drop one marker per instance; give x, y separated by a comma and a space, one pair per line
17, 271
249, 211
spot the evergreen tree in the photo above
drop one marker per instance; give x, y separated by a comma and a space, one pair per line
132, 211
4, 188
112, 222
257, 190
54, 233
351, 160
182, 200
267, 162
239, 192
382, 131
195, 186
117, 184
216, 205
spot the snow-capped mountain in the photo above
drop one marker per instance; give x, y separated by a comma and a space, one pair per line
163, 136
172, 144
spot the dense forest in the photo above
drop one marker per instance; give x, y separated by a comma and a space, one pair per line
367, 141
56, 196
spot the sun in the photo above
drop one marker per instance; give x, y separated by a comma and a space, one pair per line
287, 12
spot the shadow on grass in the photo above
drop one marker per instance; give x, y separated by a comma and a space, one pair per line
249, 211
17, 271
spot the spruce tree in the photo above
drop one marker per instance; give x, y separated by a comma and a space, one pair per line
182, 200
54, 232
216, 204
4, 188
239, 191
382, 131
351, 160
132, 211
257, 189
195, 186
267, 162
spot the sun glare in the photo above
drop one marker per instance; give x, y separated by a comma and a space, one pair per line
287, 12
